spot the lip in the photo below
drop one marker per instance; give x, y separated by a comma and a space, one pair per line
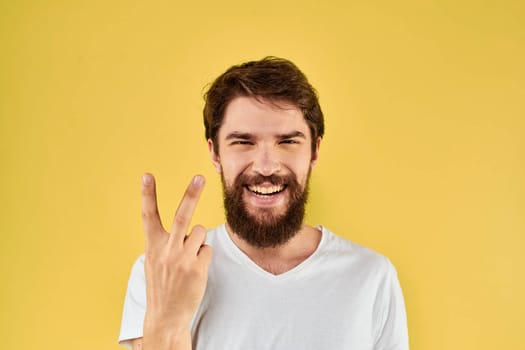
265, 201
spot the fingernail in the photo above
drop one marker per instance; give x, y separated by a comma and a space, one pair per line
147, 179
198, 180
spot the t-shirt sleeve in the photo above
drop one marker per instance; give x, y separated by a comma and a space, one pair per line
134, 305
391, 331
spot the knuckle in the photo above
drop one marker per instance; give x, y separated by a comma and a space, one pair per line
198, 235
186, 268
205, 248
147, 191
149, 214
207, 251
199, 228
193, 241
191, 192
181, 220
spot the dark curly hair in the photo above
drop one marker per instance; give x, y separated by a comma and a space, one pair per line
272, 78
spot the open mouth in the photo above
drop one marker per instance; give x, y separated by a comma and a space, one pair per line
266, 190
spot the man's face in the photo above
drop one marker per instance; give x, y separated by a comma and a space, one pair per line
265, 158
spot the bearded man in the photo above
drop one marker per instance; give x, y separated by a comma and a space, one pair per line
272, 282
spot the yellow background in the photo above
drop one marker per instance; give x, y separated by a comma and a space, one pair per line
423, 158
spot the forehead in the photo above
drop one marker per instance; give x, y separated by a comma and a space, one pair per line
259, 116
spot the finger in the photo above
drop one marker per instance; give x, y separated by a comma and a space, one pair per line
186, 208
195, 240
150, 212
205, 254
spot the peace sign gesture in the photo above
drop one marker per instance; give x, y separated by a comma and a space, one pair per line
176, 268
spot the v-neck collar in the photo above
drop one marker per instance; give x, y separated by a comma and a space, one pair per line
249, 263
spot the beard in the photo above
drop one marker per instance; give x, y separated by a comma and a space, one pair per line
266, 228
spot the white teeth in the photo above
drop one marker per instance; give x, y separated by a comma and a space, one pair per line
266, 190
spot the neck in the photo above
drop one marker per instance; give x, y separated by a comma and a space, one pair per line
282, 258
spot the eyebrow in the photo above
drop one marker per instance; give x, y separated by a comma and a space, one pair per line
239, 135
247, 136
291, 135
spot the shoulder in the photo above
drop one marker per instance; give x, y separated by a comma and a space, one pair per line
345, 252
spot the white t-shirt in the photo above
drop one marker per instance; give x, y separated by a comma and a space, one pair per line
344, 296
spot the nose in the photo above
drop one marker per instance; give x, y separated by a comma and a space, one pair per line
266, 161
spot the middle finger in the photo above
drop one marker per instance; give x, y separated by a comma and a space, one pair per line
186, 208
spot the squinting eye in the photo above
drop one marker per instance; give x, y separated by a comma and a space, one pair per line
241, 143
289, 142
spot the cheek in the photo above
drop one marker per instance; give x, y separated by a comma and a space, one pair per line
232, 168
299, 165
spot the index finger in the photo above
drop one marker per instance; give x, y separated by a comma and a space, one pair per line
150, 212
186, 208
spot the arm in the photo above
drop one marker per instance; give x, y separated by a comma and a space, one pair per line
136, 344
176, 268
392, 333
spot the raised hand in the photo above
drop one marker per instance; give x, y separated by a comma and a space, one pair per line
176, 267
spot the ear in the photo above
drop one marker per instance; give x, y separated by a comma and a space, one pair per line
215, 160
315, 155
